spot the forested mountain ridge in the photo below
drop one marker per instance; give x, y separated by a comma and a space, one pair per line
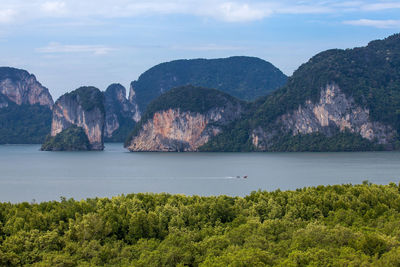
340, 225
183, 119
337, 93
243, 77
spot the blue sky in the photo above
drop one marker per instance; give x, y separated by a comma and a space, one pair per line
70, 43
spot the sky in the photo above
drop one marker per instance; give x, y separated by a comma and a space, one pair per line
71, 43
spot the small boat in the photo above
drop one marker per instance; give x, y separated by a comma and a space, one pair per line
245, 177
238, 176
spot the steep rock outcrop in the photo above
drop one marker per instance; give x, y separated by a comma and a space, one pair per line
84, 108
132, 100
184, 119
334, 111
21, 87
121, 114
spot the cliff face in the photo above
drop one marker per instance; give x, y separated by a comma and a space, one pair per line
21, 87
175, 130
84, 108
334, 111
132, 100
119, 111
184, 119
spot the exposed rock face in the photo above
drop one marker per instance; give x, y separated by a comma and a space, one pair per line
333, 111
21, 87
173, 130
176, 130
84, 108
133, 101
118, 109
3, 101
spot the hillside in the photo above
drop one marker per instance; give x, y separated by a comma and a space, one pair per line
340, 225
243, 77
24, 124
353, 91
183, 118
25, 108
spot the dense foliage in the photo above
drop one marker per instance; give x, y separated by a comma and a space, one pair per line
317, 142
25, 124
235, 137
185, 98
370, 75
243, 77
341, 225
88, 97
73, 138
238, 140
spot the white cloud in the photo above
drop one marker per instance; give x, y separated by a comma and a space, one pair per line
381, 6
7, 15
223, 10
54, 48
54, 7
234, 12
374, 23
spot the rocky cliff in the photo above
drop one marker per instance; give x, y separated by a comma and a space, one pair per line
84, 108
121, 114
21, 87
184, 119
340, 100
133, 101
332, 113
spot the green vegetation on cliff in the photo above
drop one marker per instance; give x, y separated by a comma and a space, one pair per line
25, 124
341, 225
370, 75
243, 77
73, 138
88, 97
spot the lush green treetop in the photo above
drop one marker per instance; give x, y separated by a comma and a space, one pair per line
340, 225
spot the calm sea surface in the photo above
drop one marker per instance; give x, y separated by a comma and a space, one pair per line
28, 174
